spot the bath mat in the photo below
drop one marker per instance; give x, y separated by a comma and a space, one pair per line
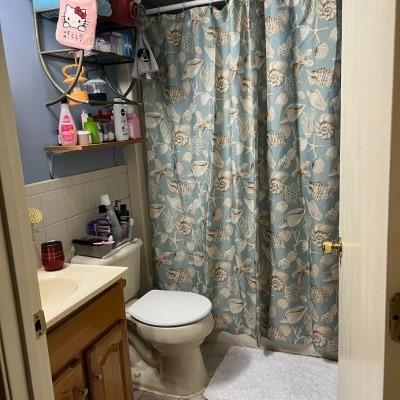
255, 374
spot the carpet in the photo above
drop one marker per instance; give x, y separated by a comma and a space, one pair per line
255, 374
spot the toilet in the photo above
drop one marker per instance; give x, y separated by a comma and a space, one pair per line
165, 329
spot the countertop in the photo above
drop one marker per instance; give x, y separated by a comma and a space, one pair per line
64, 291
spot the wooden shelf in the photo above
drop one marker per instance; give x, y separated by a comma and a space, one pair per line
67, 149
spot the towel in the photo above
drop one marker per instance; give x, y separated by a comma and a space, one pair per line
145, 63
76, 26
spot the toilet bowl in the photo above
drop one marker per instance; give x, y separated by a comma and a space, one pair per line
175, 324
165, 330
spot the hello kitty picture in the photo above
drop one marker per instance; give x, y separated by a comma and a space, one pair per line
76, 25
75, 17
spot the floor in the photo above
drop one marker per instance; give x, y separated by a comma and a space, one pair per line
213, 354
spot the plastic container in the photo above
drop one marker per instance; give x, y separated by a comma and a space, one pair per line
67, 132
92, 247
84, 137
120, 121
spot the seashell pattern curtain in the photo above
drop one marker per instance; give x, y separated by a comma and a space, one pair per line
243, 142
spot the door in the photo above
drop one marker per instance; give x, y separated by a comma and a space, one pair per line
24, 364
369, 361
70, 384
108, 366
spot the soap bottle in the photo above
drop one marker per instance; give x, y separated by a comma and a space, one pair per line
124, 219
120, 121
67, 133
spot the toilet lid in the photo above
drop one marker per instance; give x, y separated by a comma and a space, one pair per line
169, 308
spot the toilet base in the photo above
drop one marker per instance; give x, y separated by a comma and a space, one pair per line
169, 360
183, 376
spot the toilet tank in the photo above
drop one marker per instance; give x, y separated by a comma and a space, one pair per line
127, 255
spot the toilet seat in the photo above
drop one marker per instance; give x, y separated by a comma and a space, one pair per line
164, 308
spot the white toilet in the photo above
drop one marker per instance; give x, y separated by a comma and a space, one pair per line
165, 330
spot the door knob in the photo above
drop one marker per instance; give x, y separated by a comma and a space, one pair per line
84, 392
333, 247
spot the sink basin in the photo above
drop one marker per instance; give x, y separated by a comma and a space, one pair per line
66, 290
54, 290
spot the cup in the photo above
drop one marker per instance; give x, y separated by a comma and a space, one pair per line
52, 255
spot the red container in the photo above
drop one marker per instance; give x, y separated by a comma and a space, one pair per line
52, 255
124, 13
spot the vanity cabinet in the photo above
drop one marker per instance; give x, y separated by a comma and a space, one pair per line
89, 353
106, 364
70, 385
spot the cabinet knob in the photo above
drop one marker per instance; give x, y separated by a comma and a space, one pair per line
84, 392
98, 377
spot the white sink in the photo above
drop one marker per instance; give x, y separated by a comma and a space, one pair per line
55, 289
66, 290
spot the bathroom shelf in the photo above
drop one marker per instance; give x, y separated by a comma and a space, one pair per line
95, 57
67, 149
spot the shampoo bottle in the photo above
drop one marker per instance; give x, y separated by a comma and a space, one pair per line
112, 218
67, 132
133, 124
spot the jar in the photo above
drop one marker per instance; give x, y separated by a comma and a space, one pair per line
96, 89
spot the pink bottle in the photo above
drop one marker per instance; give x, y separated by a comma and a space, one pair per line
67, 132
133, 124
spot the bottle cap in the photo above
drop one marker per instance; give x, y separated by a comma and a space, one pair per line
105, 200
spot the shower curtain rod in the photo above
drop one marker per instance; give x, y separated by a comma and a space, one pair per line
182, 6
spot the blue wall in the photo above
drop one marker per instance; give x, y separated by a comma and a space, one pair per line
37, 124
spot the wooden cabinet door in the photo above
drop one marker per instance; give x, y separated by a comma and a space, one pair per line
70, 384
108, 366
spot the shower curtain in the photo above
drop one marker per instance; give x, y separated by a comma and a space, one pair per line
243, 140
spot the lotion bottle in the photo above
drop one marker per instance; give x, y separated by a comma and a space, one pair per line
120, 121
67, 132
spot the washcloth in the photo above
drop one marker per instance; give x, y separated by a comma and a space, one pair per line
145, 63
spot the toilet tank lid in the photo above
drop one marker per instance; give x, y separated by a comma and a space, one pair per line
166, 308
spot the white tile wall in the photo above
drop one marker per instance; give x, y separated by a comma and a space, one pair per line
69, 203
